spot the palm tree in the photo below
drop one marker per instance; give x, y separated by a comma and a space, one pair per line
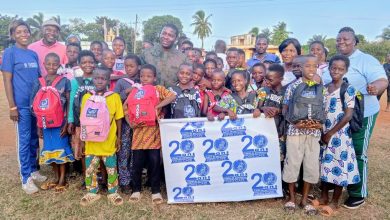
385, 33
255, 31
317, 37
35, 23
202, 25
266, 33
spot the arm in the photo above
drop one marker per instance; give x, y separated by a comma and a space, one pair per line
347, 117
118, 134
223, 112
168, 100
377, 87
205, 104
64, 129
9, 91
116, 77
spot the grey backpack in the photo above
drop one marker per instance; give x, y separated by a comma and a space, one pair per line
185, 105
307, 103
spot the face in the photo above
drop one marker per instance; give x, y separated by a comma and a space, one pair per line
241, 59
198, 75
87, 64
118, 47
210, 67
167, 37
318, 51
258, 74
219, 64
184, 47
108, 59
309, 68
218, 80
100, 80
232, 59
273, 79
51, 65
261, 45
50, 33
185, 74
131, 67
297, 67
191, 56
220, 47
72, 53
21, 35
337, 70
289, 53
345, 43
238, 82
147, 77
202, 84
211, 57
97, 50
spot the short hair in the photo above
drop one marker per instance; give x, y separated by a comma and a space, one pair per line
279, 69
133, 57
240, 51
349, 29
198, 66
240, 72
174, 27
211, 53
258, 65
86, 53
52, 55
321, 44
16, 23
261, 36
232, 49
187, 42
198, 50
186, 64
107, 71
340, 57
220, 59
289, 41
107, 51
219, 42
74, 45
210, 61
149, 67
71, 36
120, 38
96, 42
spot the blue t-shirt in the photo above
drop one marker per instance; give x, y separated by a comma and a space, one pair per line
268, 56
363, 69
24, 67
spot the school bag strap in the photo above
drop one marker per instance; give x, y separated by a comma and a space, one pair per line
132, 83
42, 81
243, 103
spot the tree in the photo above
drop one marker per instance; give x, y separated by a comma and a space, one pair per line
254, 31
5, 20
377, 49
279, 33
128, 34
385, 33
35, 23
266, 33
330, 44
317, 37
362, 39
152, 27
202, 25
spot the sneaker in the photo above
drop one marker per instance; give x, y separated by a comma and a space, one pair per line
354, 202
29, 187
38, 177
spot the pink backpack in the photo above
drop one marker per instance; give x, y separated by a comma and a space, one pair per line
95, 119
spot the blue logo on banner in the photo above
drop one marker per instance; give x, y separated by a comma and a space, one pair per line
259, 141
239, 175
269, 184
184, 194
198, 175
193, 130
44, 104
186, 147
236, 128
220, 145
92, 113
140, 94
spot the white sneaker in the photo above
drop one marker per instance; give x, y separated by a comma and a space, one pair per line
38, 177
29, 187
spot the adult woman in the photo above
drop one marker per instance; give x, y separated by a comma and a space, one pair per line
20, 70
289, 49
317, 48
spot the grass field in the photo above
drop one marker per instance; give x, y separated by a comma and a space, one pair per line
15, 204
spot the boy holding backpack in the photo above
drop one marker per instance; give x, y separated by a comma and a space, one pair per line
304, 104
100, 124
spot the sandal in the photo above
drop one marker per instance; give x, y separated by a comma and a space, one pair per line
115, 199
48, 185
61, 189
289, 207
157, 198
89, 198
135, 197
310, 210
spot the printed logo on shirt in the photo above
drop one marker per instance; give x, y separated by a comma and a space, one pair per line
275, 98
44, 104
268, 186
183, 152
193, 130
233, 128
197, 175
30, 65
259, 150
235, 172
219, 147
184, 194
92, 113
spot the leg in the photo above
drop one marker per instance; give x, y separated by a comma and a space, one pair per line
34, 145
291, 188
138, 156
92, 164
324, 193
56, 171
112, 175
154, 170
305, 192
62, 171
124, 157
338, 190
388, 98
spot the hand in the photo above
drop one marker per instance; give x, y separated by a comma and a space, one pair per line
314, 124
40, 133
118, 144
210, 117
325, 138
64, 130
256, 113
232, 115
300, 125
270, 112
372, 90
71, 128
134, 125
14, 115
77, 152
221, 116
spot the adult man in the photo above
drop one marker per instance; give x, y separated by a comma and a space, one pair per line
261, 52
386, 66
165, 57
220, 50
49, 44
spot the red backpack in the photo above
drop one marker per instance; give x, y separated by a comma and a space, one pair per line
47, 105
141, 104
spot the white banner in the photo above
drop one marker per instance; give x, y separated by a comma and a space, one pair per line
220, 161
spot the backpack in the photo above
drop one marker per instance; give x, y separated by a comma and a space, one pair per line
214, 99
307, 103
83, 89
95, 118
47, 105
141, 104
356, 122
246, 105
185, 105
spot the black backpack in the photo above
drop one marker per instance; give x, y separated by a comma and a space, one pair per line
186, 105
246, 105
356, 122
307, 103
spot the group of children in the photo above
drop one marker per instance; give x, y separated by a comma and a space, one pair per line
110, 113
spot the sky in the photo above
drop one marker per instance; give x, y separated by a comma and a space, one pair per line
230, 17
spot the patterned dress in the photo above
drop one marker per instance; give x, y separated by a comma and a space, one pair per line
338, 162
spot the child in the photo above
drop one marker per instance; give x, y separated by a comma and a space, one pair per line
191, 56
96, 151
233, 61
146, 143
210, 66
71, 69
200, 83
96, 48
258, 72
119, 46
303, 133
108, 60
56, 150
220, 64
241, 59
215, 94
338, 163
123, 88
240, 101
187, 103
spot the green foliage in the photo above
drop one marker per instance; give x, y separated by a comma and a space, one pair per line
317, 37
377, 49
152, 27
385, 33
279, 33
255, 31
202, 25
5, 20
330, 43
266, 33
65, 30
35, 23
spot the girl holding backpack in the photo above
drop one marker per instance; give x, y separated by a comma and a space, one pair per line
50, 105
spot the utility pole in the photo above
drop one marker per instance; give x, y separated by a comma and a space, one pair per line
135, 33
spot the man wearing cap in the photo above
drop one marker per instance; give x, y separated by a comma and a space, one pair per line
49, 44
261, 54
